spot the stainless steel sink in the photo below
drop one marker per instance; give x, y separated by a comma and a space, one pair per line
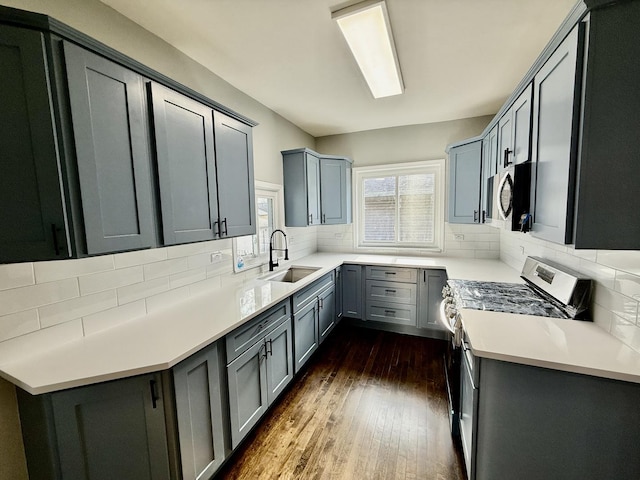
291, 274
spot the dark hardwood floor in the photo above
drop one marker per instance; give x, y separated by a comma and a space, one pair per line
370, 405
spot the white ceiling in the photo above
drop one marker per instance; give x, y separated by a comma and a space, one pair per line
459, 58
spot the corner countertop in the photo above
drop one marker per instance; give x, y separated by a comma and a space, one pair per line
162, 339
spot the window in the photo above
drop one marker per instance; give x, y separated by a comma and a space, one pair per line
400, 206
253, 250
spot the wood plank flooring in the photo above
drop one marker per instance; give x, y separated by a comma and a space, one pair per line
370, 405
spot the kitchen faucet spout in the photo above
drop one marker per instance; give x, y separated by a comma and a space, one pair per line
272, 263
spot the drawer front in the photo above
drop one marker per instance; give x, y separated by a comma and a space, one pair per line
245, 336
309, 293
392, 313
381, 291
393, 274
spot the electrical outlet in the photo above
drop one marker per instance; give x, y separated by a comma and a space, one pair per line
216, 257
521, 250
459, 237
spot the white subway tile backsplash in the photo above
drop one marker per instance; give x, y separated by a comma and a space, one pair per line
139, 257
628, 284
602, 317
25, 298
165, 268
205, 286
76, 308
61, 269
627, 332
166, 299
17, 324
185, 278
625, 260
100, 321
110, 280
134, 292
40, 341
189, 249
16, 275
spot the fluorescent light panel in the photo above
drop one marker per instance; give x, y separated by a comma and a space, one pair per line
366, 28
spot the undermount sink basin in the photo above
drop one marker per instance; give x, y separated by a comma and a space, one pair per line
291, 274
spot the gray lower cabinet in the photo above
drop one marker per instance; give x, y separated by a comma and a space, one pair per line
260, 366
391, 295
105, 431
554, 132
465, 165
352, 291
199, 413
110, 141
317, 188
339, 294
430, 284
305, 324
524, 422
326, 313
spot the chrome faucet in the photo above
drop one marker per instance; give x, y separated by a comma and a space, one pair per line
273, 264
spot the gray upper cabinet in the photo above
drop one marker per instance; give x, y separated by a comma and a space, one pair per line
78, 142
554, 133
335, 187
234, 166
186, 166
317, 188
514, 132
201, 424
33, 212
465, 164
108, 113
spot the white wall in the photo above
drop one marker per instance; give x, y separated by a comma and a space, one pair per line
409, 144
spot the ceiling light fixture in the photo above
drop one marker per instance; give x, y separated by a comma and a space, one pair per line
367, 30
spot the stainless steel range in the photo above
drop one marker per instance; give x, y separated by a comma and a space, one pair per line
550, 290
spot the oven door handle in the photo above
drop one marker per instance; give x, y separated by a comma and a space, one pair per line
444, 320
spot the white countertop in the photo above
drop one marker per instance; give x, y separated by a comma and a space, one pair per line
160, 340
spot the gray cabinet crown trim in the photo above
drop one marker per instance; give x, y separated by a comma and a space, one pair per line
38, 21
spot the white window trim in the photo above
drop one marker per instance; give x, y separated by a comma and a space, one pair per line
266, 189
360, 173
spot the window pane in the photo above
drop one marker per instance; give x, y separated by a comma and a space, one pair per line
379, 209
265, 223
416, 209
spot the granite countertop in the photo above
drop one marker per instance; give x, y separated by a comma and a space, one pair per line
162, 339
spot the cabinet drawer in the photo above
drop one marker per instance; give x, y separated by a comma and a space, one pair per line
304, 296
379, 290
245, 336
407, 275
391, 313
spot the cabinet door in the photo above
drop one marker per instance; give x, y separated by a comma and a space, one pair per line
280, 359
333, 191
33, 212
505, 143
112, 152
305, 333
486, 175
430, 295
112, 430
199, 413
248, 395
554, 134
234, 167
464, 183
352, 291
521, 127
493, 151
326, 313
313, 189
186, 167
338, 288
